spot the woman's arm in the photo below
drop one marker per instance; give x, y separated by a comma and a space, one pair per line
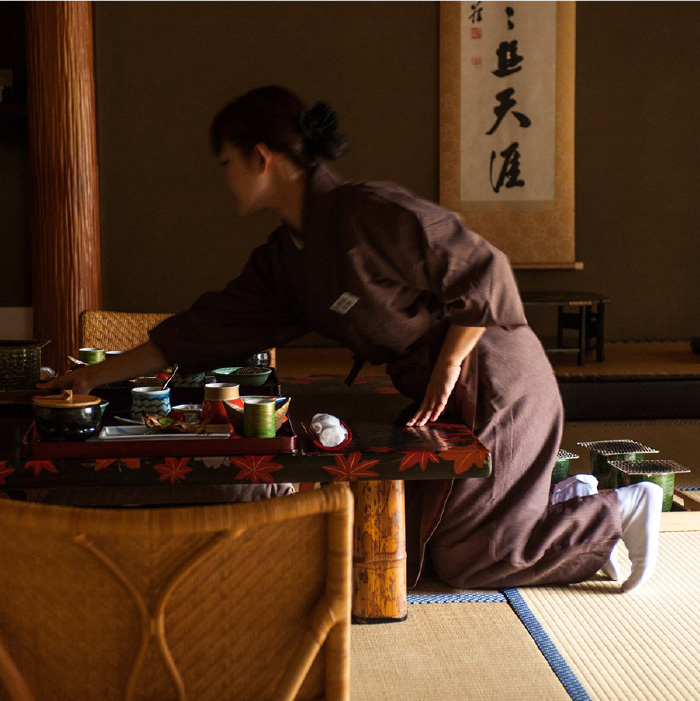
146, 359
458, 344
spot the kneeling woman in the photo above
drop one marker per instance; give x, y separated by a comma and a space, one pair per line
401, 281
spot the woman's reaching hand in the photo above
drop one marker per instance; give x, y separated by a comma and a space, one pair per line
440, 386
80, 381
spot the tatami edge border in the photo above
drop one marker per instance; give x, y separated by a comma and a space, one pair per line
688, 489
549, 650
471, 597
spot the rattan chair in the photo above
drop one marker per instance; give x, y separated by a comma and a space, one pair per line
122, 330
241, 601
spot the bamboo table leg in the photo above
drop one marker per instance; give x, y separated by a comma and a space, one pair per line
379, 552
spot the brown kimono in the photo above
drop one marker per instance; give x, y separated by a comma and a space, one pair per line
386, 273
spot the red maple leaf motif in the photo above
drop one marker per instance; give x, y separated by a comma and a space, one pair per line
463, 458
39, 465
5, 471
256, 468
174, 469
418, 457
350, 467
131, 463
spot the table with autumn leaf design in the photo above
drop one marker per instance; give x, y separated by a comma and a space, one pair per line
382, 454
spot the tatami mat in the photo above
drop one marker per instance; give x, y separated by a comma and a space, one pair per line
641, 645
455, 651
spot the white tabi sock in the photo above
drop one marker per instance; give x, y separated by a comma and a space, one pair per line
574, 486
640, 509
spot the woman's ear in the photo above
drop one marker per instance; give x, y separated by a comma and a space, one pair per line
262, 157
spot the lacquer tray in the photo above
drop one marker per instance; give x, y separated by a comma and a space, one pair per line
286, 441
119, 396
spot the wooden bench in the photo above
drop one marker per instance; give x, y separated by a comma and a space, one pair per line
582, 311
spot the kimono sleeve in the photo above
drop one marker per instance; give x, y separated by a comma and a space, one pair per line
252, 313
471, 278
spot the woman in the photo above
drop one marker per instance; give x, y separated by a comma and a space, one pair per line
399, 280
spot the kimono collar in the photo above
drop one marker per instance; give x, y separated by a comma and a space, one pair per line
321, 193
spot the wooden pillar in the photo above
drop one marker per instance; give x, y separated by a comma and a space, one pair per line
379, 552
66, 260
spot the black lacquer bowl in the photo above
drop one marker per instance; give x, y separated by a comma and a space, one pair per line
67, 417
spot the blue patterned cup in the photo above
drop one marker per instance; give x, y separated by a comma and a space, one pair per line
149, 400
196, 380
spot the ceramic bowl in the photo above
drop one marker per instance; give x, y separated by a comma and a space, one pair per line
74, 420
234, 410
192, 412
252, 376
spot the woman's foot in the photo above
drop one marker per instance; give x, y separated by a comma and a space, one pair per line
640, 509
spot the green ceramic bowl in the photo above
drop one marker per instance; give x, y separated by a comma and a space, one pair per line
248, 375
661, 472
602, 452
605, 474
562, 466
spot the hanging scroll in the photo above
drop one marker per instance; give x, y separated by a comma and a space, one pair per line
507, 125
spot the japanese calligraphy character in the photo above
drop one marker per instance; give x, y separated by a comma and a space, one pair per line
508, 58
505, 98
476, 12
510, 170
509, 13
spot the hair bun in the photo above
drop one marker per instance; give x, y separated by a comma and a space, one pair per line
319, 123
318, 127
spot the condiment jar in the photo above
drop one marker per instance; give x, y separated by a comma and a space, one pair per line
73, 417
213, 404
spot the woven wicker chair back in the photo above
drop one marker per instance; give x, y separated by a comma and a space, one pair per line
244, 601
122, 330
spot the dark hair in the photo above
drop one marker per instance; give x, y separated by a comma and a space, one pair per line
276, 117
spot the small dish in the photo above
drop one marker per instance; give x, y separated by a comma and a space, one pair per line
234, 410
329, 448
243, 375
192, 412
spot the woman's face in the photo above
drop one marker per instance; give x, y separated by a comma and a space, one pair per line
243, 178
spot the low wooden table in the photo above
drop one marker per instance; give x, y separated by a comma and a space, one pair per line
383, 452
582, 311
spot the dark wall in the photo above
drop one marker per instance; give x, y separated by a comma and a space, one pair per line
15, 249
637, 184
168, 224
164, 69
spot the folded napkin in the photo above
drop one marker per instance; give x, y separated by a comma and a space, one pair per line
327, 430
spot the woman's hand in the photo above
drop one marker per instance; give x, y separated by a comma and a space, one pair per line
80, 381
146, 359
440, 386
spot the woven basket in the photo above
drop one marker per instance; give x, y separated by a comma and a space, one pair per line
20, 363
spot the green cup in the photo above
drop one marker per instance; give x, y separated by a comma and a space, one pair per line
91, 355
259, 417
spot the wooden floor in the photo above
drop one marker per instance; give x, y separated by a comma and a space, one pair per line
642, 359
638, 359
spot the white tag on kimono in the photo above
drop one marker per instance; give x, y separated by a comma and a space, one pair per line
344, 303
